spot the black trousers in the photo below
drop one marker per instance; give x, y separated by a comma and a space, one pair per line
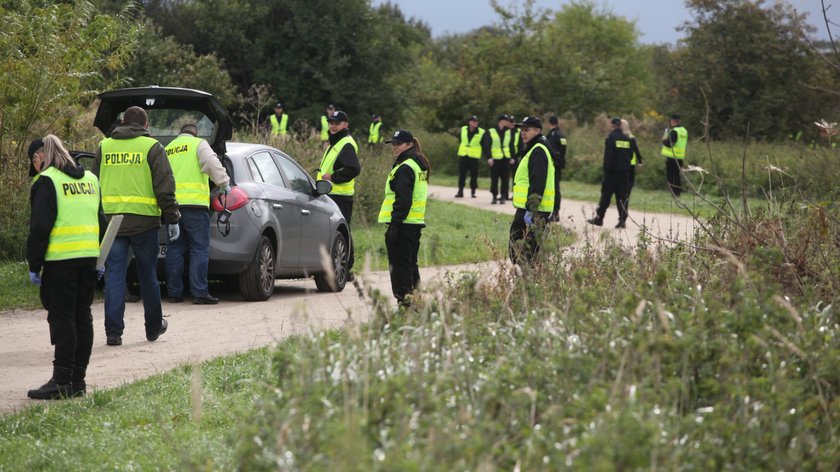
614, 184
500, 171
467, 164
672, 173
631, 181
345, 204
402, 248
525, 241
67, 289
555, 215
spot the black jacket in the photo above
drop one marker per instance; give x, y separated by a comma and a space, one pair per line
347, 165
537, 171
555, 140
403, 185
43, 213
617, 159
163, 183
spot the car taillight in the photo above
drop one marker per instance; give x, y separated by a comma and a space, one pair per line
236, 198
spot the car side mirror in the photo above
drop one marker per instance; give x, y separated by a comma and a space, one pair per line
323, 187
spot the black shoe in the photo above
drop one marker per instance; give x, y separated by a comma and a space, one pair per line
131, 298
620, 225
494, 201
473, 195
459, 195
50, 391
114, 341
502, 201
596, 221
205, 300
172, 299
163, 326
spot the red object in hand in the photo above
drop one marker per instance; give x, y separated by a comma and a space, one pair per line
236, 198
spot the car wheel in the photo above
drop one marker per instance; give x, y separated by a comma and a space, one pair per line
256, 282
336, 278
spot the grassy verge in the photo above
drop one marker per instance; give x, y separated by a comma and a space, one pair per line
15, 289
186, 419
642, 200
454, 234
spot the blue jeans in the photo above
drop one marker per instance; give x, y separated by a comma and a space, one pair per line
145, 247
195, 234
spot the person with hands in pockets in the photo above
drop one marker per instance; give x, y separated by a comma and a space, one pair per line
137, 182
404, 211
533, 192
192, 161
65, 227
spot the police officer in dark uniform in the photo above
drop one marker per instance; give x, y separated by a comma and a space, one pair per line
617, 156
533, 192
404, 210
62, 248
498, 159
340, 165
557, 143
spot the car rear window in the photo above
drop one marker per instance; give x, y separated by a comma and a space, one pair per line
165, 124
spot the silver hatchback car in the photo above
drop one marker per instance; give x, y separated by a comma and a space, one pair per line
275, 223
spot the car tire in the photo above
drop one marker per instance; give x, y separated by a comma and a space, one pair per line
335, 280
256, 282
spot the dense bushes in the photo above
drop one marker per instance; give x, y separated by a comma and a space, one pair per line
672, 358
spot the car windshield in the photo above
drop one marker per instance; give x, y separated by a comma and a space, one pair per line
165, 124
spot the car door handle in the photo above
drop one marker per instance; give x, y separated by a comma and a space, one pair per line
277, 206
304, 212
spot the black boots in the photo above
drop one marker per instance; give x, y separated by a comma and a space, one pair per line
65, 383
597, 221
59, 386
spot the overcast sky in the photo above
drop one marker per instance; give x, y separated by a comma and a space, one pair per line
657, 20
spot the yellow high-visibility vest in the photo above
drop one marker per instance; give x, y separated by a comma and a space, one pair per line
496, 149
325, 128
75, 233
191, 185
470, 147
328, 161
126, 178
677, 151
374, 136
417, 212
278, 127
522, 181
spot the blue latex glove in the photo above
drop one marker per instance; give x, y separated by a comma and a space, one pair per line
100, 273
174, 232
226, 190
529, 218
35, 278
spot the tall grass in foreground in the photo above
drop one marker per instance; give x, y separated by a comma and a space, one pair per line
716, 356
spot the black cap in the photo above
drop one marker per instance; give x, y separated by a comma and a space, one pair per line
34, 146
530, 122
511, 118
675, 116
616, 120
502, 117
553, 120
374, 116
338, 116
401, 136
278, 105
472, 118
330, 107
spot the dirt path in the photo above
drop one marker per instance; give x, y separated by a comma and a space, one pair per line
197, 333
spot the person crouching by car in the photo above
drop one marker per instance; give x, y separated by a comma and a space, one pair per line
62, 248
404, 211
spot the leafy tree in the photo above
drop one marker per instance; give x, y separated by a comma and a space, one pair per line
311, 52
166, 62
750, 62
54, 55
